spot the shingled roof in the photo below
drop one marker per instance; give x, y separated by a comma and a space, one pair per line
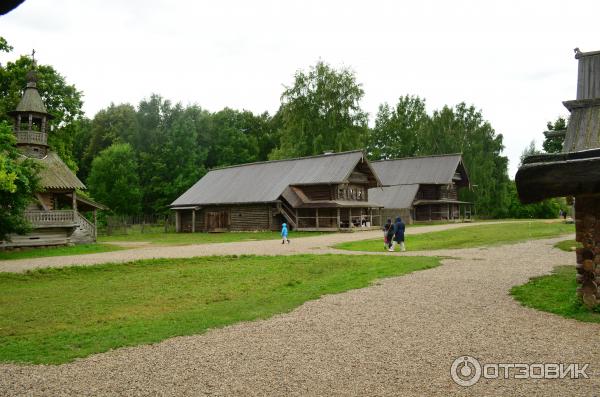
424, 170
54, 174
399, 196
266, 181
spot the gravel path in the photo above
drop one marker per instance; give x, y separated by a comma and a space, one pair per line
313, 245
397, 337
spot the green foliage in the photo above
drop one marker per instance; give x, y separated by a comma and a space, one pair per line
62, 101
554, 144
18, 182
321, 112
114, 305
556, 293
529, 151
114, 179
398, 131
546, 209
471, 236
4, 46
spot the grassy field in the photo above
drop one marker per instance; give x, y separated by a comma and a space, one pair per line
156, 238
555, 293
567, 245
162, 238
58, 251
473, 236
52, 316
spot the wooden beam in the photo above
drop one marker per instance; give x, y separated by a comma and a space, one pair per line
74, 201
95, 224
317, 218
193, 221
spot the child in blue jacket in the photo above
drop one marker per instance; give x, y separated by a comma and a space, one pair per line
284, 234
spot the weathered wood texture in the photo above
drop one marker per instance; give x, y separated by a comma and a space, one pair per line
588, 76
587, 226
40, 237
583, 131
231, 218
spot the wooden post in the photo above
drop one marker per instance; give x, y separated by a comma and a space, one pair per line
177, 221
95, 225
371, 217
193, 220
270, 218
74, 201
338, 218
350, 224
317, 218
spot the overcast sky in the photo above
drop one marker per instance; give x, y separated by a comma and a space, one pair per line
513, 60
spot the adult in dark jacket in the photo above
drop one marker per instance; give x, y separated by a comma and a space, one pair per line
399, 228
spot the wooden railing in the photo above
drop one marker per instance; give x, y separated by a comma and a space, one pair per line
48, 218
39, 138
85, 224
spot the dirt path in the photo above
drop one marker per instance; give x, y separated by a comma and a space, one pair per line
317, 244
397, 337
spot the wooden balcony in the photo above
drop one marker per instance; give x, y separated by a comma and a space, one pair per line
33, 137
60, 218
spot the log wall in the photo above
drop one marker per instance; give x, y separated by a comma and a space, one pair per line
587, 232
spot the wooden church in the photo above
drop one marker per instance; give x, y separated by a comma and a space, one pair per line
55, 212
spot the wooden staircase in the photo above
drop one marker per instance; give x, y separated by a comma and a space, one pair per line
84, 232
289, 215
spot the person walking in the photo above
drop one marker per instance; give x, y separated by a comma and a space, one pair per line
284, 234
388, 234
399, 228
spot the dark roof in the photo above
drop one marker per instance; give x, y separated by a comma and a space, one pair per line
31, 100
424, 170
266, 181
399, 196
54, 174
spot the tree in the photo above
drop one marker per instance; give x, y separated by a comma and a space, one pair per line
398, 130
529, 151
114, 179
321, 112
554, 143
63, 101
115, 124
462, 129
18, 182
234, 138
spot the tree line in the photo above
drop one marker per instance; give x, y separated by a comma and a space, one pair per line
138, 158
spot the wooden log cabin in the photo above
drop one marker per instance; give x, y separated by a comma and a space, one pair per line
327, 192
55, 212
422, 188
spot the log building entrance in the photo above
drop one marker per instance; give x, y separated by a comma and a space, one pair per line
217, 221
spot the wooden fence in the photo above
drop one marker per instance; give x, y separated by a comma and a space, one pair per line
120, 225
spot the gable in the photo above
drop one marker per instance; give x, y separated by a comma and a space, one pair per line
424, 170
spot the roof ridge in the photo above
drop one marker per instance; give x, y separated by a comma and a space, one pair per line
283, 160
419, 157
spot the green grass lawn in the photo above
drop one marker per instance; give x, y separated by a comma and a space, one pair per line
162, 238
58, 251
567, 245
53, 316
473, 236
555, 293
